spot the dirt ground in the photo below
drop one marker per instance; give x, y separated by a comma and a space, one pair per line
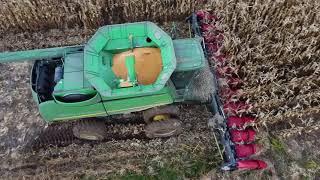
275, 44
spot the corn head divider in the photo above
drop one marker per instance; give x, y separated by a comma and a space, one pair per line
230, 118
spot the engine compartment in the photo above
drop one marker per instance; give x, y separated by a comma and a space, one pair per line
48, 78
43, 78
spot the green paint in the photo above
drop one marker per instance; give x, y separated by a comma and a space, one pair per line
130, 62
189, 54
56, 111
137, 103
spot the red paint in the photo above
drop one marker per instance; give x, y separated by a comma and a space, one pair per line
242, 136
206, 16
227, 71
246, 150
234, 83
251, 164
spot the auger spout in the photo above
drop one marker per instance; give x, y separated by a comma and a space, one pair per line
37, 54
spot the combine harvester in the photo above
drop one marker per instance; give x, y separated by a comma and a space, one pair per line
134, 68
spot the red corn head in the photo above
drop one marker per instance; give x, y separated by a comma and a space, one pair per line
242, 136
246, 150
251, 164
212, 47
221, 59
212, 35
234, 83
227, 71
206, 17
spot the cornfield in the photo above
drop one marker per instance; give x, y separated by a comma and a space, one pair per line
32, 15
275, 44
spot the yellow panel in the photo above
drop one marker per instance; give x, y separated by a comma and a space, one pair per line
148, 64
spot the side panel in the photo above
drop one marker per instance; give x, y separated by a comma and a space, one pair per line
137, 104
55, 111
190, 60
51, 111
166, 89
189, 54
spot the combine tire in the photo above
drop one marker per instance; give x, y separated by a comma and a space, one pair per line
162, 121
163, 128
90, 129
150, 114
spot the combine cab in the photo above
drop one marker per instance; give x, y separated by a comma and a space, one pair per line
126, 68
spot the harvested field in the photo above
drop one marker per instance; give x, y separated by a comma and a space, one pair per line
275, 45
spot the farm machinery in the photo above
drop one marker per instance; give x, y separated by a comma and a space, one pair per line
138, 68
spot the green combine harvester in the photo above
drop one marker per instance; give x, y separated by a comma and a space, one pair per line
124, 68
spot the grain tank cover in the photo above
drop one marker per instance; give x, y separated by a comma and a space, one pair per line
111, 40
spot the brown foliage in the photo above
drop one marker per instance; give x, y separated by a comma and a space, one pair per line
31, 15
277, 46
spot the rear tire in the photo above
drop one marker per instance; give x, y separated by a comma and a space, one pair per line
171, 110
162, 121
90, 129
164, 128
